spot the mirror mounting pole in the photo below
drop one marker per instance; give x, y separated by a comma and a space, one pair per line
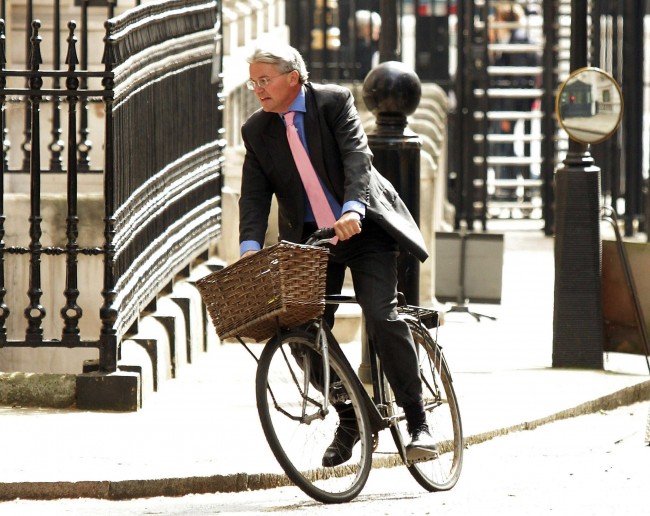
577, 313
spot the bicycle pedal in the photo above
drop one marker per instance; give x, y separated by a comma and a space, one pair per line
418, 455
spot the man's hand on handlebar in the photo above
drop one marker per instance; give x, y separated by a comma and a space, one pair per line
348, 225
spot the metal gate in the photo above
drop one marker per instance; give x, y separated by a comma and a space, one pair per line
501, 125
512, 56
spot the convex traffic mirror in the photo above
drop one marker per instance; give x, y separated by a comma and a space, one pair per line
589, 105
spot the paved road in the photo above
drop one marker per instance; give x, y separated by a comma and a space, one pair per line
591, 465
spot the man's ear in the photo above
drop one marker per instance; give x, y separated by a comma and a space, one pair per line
294, 78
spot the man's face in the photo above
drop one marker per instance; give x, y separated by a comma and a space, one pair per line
281, 90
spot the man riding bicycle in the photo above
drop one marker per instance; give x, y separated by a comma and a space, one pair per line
307, 147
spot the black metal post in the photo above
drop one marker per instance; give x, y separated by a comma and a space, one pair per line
632, 86
606, 49
6, 144
578, 314
72, 312
56, 146
325, 24
4, 309
389, 37
391, 92
549, 125
27, 131
108, 352
432, 42
85, 145
35, 312
459, 144
617, 157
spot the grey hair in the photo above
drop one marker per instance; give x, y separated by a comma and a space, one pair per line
285, 57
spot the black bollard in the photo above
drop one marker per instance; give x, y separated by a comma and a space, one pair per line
391, 92
578, 313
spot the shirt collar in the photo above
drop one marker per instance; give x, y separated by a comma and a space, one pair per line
299, 102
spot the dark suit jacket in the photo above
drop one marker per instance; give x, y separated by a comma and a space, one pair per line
338, 149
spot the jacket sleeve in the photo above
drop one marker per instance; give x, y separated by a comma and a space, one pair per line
256, 196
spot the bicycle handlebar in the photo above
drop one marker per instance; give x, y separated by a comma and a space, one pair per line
320, 236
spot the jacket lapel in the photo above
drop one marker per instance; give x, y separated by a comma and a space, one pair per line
314, 137
275, 139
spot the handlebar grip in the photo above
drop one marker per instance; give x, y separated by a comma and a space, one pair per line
321, 236
325, 233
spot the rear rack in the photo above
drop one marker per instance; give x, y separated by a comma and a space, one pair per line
429, 318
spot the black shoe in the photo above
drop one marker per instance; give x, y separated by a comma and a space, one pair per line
340, 451
422, 445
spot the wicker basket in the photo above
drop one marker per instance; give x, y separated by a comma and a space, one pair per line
285, 281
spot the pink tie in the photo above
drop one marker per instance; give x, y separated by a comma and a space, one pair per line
320, 206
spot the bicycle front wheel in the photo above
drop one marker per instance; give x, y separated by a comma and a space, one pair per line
443, 417
298, 429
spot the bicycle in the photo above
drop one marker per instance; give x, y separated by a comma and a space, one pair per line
298, 420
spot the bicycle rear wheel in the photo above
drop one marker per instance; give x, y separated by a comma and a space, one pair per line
290, 406
443, 417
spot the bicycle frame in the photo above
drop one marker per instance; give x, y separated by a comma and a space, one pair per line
377, 405
326, 341
328, 344
377, 420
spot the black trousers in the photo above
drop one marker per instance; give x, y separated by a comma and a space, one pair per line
371, 257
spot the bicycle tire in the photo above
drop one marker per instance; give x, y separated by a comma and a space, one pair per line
443, 417
284, 393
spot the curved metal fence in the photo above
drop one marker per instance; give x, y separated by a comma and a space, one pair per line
162, 160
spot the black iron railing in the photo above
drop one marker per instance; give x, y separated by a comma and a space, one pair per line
162, 160
33, 96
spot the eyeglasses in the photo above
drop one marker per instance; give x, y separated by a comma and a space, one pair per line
263, 82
